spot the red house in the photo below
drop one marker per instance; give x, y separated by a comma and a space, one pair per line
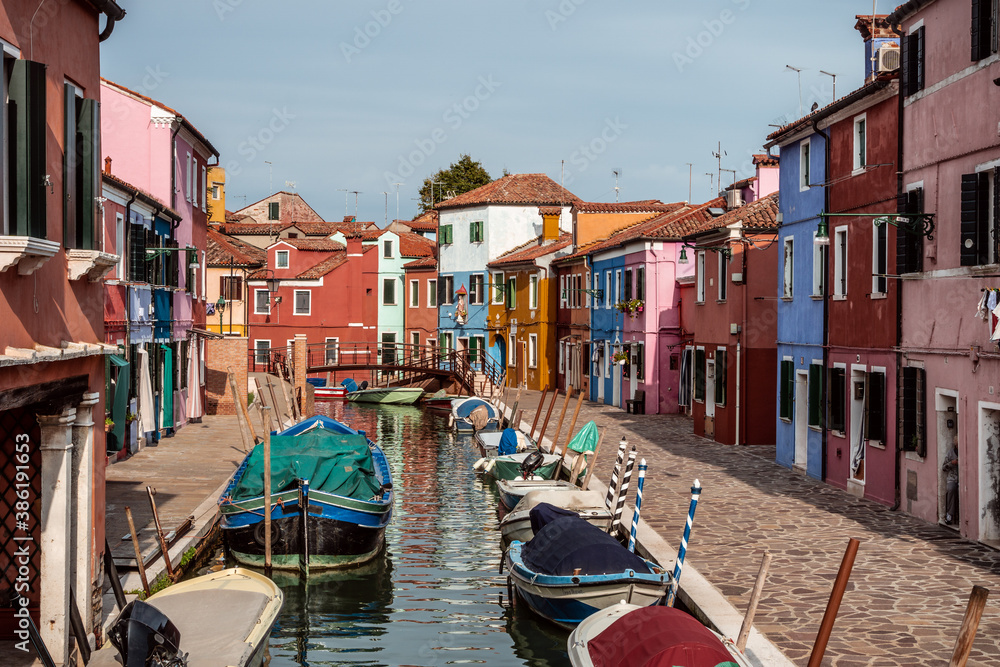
421, 302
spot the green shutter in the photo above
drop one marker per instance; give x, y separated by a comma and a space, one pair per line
699, 375
89, 131
815, 394
70, 165
27, 103
787, 386
720, 377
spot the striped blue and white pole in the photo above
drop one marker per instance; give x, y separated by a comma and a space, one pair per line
622, 446
638, 504
616, 521
672, 593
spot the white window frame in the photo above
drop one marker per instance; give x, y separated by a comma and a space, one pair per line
432, 293
387, 248
10, 53
187, 178
497, 289
818, 272
723, 271
859, 166
805, 159
532, 350
336, 350
876, 231
619, 286
586, 284
280, 255
414, 341
607, 290
607, 359
562, 292
511, 350
700, 277
295, 301
256, 349
533, 282
840, 250
119, 244
395, 300
477, 296
215, 191
256, 310
788, 267
414, 293
204, 189
562, 357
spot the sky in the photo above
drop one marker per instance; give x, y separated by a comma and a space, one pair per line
359, 96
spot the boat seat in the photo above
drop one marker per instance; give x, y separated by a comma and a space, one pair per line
637, 405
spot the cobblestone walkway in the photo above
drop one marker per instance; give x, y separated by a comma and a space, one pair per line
911, 580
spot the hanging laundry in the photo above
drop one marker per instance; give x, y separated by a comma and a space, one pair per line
995, 324
991, 299
982, 312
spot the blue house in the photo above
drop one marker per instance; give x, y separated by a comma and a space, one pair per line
801, 290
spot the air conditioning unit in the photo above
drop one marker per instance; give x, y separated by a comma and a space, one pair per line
734, 198
888, 58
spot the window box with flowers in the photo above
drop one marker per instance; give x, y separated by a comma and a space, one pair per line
631, 307
620, 357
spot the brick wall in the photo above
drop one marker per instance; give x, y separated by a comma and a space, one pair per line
220, 356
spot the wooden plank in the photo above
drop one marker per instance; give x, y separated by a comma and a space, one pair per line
56, 394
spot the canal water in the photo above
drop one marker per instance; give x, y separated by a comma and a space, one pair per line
434, 597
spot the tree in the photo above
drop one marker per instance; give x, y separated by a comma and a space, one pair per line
462, 176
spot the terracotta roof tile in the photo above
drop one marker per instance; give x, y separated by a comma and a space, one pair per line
759, 215
422, 263
415, 245
222, 248
313, 244
291, 208
528, 252
324, 267
641, 206
514, 189
877, 84
765, 160
420, 225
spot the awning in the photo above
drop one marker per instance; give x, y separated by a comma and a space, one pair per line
205, 333
119, 406
167, 394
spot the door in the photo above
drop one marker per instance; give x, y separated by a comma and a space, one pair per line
856, 474
801, 412
709, 398
616, 385
388, 352
522, 362
600, 371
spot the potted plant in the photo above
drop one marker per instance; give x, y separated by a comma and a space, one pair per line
630, 307
108, 424
620, 357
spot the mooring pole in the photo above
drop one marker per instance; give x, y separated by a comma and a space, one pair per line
538, 412
545, 424
267, 500
679, 566
741, 641
833, 606
159, 532
973, 612
138, 553
562, 416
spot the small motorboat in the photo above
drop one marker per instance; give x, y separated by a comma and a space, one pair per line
572, 569
625, 634
441, 401
384, 395
589, 505
222, 619
331, 495
489, 442
324, 391
473, 414
511, 491
512, 466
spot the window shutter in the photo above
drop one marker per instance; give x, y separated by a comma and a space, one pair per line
684, 397
815, 395
979, 36
89, 130
441, 288
720, 377
27, 104
699, 375
971, 250
875, 402
912, 418
906, 68
910, 247
70, 165
919, 60
996, 211
837, 399
640, 283
787, 388
136, 253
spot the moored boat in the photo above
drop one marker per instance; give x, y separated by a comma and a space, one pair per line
588, 505
387, 395
468, 418
511, 491
331, 499
441, 401
510, 466
625, 634
489, 442
222, 619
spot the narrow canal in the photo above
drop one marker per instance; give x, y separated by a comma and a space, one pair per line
434, 596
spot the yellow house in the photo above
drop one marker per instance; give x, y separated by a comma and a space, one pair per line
216, 195
522, 312
229, 261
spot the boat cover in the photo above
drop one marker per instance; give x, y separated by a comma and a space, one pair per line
570, 542
465, 408
508, 442
332, 462
586, 439
349, 384
543, 513
658, 637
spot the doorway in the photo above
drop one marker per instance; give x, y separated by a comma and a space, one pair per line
947, 433
710, 398
856, 474
801, 408
989, 480
599, 371
616, 384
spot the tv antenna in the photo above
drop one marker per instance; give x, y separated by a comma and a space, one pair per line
711, 183
397, 199
386, 207
617, 172
718, 155
290, 184
356, 193
690, 174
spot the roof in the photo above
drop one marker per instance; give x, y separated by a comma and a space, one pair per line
326, 266
759, 215
641, 206
291, 208
415, 245
251, 228
184, 121
318, 228
536, 189
109, 7
420, 225
422, 263
140, 194
882, 28
880, 82
739, 185
528, 252
906, 9
222, 248
765, 160
313, 244
690, 221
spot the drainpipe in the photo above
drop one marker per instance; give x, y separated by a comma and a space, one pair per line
128, 244
899, 292
740, 413
114, 13
824, 438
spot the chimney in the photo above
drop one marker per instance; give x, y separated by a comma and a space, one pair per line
107, 165
354, 248
877, 32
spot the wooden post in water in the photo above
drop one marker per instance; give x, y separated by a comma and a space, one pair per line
159, 533
520, 415
592, 462
545, 424
973, 612
238, 398
562, 415
833, 606
538, 413
138, 552
569, 433
741, 641
267, 501
513, 409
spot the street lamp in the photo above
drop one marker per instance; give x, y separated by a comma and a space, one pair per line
220, 307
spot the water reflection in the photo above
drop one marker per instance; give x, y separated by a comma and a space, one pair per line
433, 597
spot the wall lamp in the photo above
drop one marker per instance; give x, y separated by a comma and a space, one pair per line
917, 224
721, 249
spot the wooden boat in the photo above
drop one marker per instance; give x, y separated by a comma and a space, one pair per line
462, 418
222, 619
488, 442
625, 634
387, 395
508, 467
441, 401
572, 569
335, 473
588, 505
511, 491
330, 393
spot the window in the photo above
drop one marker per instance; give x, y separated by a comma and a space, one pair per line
819, 269
586, 283
910, 247
639, 361
281, 259
786, 389
607, 359
187, 178
700, 278
804, 165
332, 348
432, 294
203, 190
273, 210
511, 293
303, 302
875, 406
619, 287
120, 245
640, 283
215, 192
477, 290
447, 342
388, 348
532, 350
563, 294
984, 29
840, 262
476, 231
262, 302
816, 394
880, 256
699, 374
81, 172
511, 350
838, 399
628, 285
860, 142
562, 357
608, 294
533, 291
913, 421
25, 194
723, 276
497, 289
231, 288
387, 248
912, 61
414, 344
414, 294
720, 376
980, 218
262, 349
447, 287
445, 235
684, 393
477, 346
388, 291
787, 268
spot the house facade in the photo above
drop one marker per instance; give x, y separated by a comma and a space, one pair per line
229, 263
420, 278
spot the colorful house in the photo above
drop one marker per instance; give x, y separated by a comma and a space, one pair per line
230, 262
420, 278
950, 369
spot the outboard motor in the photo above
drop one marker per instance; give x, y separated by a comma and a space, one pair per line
364, 385
145, 637
530, 464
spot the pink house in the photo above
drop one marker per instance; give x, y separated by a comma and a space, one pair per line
949, 384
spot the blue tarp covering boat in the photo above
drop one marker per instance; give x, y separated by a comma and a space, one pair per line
569, 543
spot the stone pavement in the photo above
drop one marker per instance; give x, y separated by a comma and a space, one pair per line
910, 583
